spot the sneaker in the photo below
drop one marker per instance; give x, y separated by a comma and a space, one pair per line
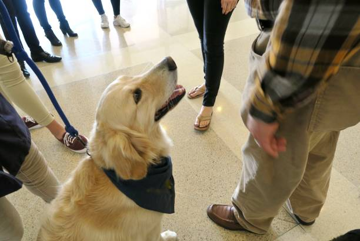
119, 21
104, 21
30, 123
74, 143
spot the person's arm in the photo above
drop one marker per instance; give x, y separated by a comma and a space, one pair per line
309, 42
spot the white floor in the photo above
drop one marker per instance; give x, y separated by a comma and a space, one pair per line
209, 168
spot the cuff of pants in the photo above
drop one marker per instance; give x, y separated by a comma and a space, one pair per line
46, 120
37, 175
243, 222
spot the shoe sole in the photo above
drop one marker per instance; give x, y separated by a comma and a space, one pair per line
35, 127
116, 25
202, 129
195, 96
43, 60
290, 211
79, 151
193, 91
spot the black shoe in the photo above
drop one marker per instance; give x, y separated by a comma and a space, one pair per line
65, 28
52, 38
45, 56
23, 69
303, 222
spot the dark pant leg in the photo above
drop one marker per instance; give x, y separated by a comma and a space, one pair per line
57, 8
116, 7
12, 14
26, 26
196, 8
39, 8
99, 7
215, 25
11, 11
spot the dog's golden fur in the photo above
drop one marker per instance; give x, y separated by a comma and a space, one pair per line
125, 138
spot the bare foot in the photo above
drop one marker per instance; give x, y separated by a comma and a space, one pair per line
205, 111
197, 91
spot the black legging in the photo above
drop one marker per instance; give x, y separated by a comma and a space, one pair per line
18, 11
115, 5
39, 7
211, 25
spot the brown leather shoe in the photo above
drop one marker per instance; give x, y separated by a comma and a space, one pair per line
223, 215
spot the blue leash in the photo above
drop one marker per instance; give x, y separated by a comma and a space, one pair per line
22, 55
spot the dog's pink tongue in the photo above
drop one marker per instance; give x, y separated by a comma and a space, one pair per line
178, 90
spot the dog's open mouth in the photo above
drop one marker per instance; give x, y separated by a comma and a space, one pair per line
174, 99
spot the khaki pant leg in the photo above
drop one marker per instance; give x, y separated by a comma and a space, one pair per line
336, 108
309, 197
11, 227
17, 90
266, 183
37, 176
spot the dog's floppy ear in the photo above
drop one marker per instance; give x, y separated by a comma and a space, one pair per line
130, 154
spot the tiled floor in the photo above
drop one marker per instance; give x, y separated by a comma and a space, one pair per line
208, 171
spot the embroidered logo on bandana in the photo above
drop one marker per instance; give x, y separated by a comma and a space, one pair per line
155, 192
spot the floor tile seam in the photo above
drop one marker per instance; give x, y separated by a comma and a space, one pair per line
219, 132
348, 181
286, 232
356, 186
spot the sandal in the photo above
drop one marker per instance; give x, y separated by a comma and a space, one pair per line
200, 92
203, 118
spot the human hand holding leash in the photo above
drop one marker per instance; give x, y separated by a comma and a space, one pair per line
228, 5
264, 135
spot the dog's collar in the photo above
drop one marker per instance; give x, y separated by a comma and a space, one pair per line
155, 192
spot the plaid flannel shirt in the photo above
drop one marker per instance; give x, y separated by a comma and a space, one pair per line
309, 42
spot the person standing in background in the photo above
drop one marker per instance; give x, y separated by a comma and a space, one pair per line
18, 13
118, 20
211, 18
39, 7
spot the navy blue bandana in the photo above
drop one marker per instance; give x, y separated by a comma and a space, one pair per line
155, 192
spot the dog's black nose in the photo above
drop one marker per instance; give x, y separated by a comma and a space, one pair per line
171, 64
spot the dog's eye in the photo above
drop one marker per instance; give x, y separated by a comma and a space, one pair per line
137, 95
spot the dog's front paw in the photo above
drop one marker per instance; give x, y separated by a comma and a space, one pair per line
169, 236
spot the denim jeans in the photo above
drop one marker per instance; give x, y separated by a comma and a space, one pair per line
115, 5
211, 26
39, 7
18, 11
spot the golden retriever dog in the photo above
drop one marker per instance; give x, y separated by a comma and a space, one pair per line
127, 140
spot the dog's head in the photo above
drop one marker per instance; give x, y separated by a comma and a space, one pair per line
127, 136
